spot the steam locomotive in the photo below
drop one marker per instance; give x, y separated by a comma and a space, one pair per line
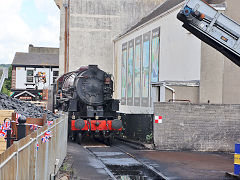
86, 94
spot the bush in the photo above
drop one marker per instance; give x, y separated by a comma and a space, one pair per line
6, 89
149, 138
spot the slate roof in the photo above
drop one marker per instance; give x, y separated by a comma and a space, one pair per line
164, 7
35, 59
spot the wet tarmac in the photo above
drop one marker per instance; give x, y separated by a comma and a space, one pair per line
187, 165
94, 160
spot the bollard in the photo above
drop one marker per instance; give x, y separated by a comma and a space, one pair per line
21, 132
8, 138
237, 159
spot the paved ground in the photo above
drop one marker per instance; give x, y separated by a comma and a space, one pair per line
174, 165
187, 165
85, 166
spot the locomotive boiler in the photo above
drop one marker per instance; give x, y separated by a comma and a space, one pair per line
86, 94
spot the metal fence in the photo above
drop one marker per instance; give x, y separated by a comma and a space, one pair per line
137, 126
31, 158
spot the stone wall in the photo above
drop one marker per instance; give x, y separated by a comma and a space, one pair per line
204, 127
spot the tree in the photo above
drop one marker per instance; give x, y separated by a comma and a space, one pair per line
6, 89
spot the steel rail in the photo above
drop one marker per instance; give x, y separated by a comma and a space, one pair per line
144, 164
149, 167
104, 166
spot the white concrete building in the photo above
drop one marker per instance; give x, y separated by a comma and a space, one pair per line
152, 55
158, 60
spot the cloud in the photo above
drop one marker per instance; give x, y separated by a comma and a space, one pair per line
13, 32
16, 34
47, 6
10, 6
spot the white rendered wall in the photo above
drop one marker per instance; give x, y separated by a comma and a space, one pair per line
21, 77
180, 55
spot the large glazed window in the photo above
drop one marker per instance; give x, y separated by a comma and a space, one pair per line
137, 70
145, 68
55, 75
124, 74
130, 72
155, 55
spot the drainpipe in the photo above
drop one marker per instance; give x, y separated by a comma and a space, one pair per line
68, 35
173, 91
114, 81
66, 38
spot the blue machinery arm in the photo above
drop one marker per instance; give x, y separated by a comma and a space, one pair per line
212, 27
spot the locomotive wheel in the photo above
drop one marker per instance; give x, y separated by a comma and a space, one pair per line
79, 138
70, 138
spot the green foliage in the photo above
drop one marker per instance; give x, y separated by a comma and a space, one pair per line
149, 138
6, 89
5, 65
66, 168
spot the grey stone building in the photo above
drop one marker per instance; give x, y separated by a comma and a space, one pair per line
89, 26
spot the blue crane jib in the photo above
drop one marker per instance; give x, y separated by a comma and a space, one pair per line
212, 27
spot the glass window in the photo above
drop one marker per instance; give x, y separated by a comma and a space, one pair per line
155, 55
54, 79
29, 79
30, 76
29, 72
55, 73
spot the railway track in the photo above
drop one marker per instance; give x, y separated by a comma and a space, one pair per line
119, 163
94, 160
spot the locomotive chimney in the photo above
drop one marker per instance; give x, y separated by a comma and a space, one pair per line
92, 66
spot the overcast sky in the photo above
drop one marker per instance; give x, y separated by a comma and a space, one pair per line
24, 22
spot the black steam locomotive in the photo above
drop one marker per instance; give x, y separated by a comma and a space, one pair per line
86, 94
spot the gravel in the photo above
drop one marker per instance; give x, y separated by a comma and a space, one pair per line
24, 108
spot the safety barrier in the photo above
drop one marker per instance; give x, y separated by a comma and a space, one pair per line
38, 155
237, 160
